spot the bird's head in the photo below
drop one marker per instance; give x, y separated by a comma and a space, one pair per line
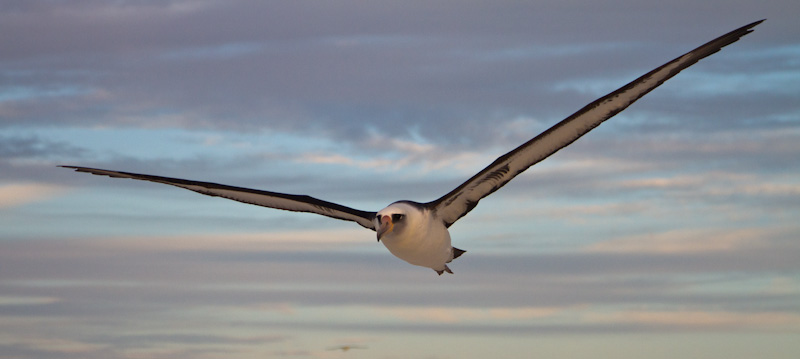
393, 219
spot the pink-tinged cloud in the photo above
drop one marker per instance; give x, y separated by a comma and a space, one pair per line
466, 314
13, 195
702, 319
692, 240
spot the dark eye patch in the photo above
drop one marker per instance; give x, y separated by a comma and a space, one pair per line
397, 217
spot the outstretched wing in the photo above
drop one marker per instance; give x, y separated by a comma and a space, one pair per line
465, 197
289, 202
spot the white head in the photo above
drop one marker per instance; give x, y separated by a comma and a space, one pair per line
396, 218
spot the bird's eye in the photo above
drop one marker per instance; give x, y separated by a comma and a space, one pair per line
396, 217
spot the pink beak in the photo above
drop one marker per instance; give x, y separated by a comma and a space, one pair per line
386, 226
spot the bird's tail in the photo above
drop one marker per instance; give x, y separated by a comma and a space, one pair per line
457, 252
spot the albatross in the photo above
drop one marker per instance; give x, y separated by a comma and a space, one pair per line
418, 232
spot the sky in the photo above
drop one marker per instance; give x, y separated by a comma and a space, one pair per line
670, 231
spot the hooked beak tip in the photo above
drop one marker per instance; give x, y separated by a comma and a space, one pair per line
386, 226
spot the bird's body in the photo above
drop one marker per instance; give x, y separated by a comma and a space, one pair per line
418, 232
418, 236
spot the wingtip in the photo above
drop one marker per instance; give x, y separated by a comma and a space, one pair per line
753, 24
749, 27
734, 35
74, 168
77, 168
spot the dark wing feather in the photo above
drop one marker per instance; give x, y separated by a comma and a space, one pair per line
461, 200
289, 202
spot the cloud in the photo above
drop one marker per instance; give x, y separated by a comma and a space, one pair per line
336, 159
219, 295
676, 215
294, 240
398, 156
17, 300
461, 315
36, 148
695, 320
190, 338
418, 63
684, 241
13, 195
427, 157
55, 348
255, 273
593, 315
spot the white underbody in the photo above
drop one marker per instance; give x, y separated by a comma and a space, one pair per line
421, 240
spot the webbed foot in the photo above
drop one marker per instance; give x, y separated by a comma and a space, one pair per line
446, 269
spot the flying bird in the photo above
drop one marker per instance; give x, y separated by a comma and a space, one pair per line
418, 232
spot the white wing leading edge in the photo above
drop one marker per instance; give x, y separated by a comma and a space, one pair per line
465, 197
289, 202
